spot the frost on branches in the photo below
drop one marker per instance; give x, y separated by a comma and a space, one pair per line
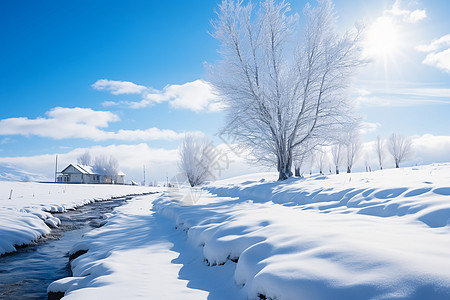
283, 89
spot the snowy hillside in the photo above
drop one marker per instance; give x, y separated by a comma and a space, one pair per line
11, 173
379, 235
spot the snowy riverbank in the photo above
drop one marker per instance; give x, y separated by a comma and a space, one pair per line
25, 208
379, 235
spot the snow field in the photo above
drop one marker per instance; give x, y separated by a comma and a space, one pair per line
27, 215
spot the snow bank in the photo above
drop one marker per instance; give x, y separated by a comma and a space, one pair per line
139, 254
380, 235
25, 207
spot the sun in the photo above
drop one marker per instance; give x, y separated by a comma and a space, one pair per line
383, 40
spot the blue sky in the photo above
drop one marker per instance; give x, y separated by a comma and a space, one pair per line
54, 52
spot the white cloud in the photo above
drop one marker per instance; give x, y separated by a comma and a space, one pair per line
431, 148
6, 140
368, 127
435, 45
146, 135
377, 93
109, 103
197, 96
85, 123
117, 87
438, 53
410, 16
441, 60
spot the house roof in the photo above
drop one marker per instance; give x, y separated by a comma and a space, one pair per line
120, 173
82, 169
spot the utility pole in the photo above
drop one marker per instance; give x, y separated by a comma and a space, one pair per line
56, 167
144, 175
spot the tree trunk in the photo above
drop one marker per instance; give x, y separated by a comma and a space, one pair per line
297, 172
349, 170
284, 169
337, 170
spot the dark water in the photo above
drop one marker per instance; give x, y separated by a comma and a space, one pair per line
26, 274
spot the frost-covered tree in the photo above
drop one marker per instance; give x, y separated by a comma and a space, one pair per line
379, 150
107, 167
400, 148
195, 159
282, 89
84, 159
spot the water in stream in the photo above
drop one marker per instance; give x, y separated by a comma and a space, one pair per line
25, 274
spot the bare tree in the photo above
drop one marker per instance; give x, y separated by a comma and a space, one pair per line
322, 160
298, 167
84, 159
352, 147
299, 163
195, 160
280, 95
301, 156
106, 167
379, 149
400, 148
336, 153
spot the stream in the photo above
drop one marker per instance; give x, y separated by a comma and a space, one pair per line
26, 273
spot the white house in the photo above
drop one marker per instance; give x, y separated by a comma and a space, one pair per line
75, 173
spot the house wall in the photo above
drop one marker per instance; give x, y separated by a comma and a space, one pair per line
71, 170
120, 180
76, 178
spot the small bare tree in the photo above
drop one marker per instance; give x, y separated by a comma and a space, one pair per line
379, 149
352, 147
84, 159
195, 160
322, 160
298, 166
336, 153
400, 148
106, 167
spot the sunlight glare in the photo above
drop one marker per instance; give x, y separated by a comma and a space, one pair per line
383, 39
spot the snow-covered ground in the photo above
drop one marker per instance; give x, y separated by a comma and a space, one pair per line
25, 206
379, 235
